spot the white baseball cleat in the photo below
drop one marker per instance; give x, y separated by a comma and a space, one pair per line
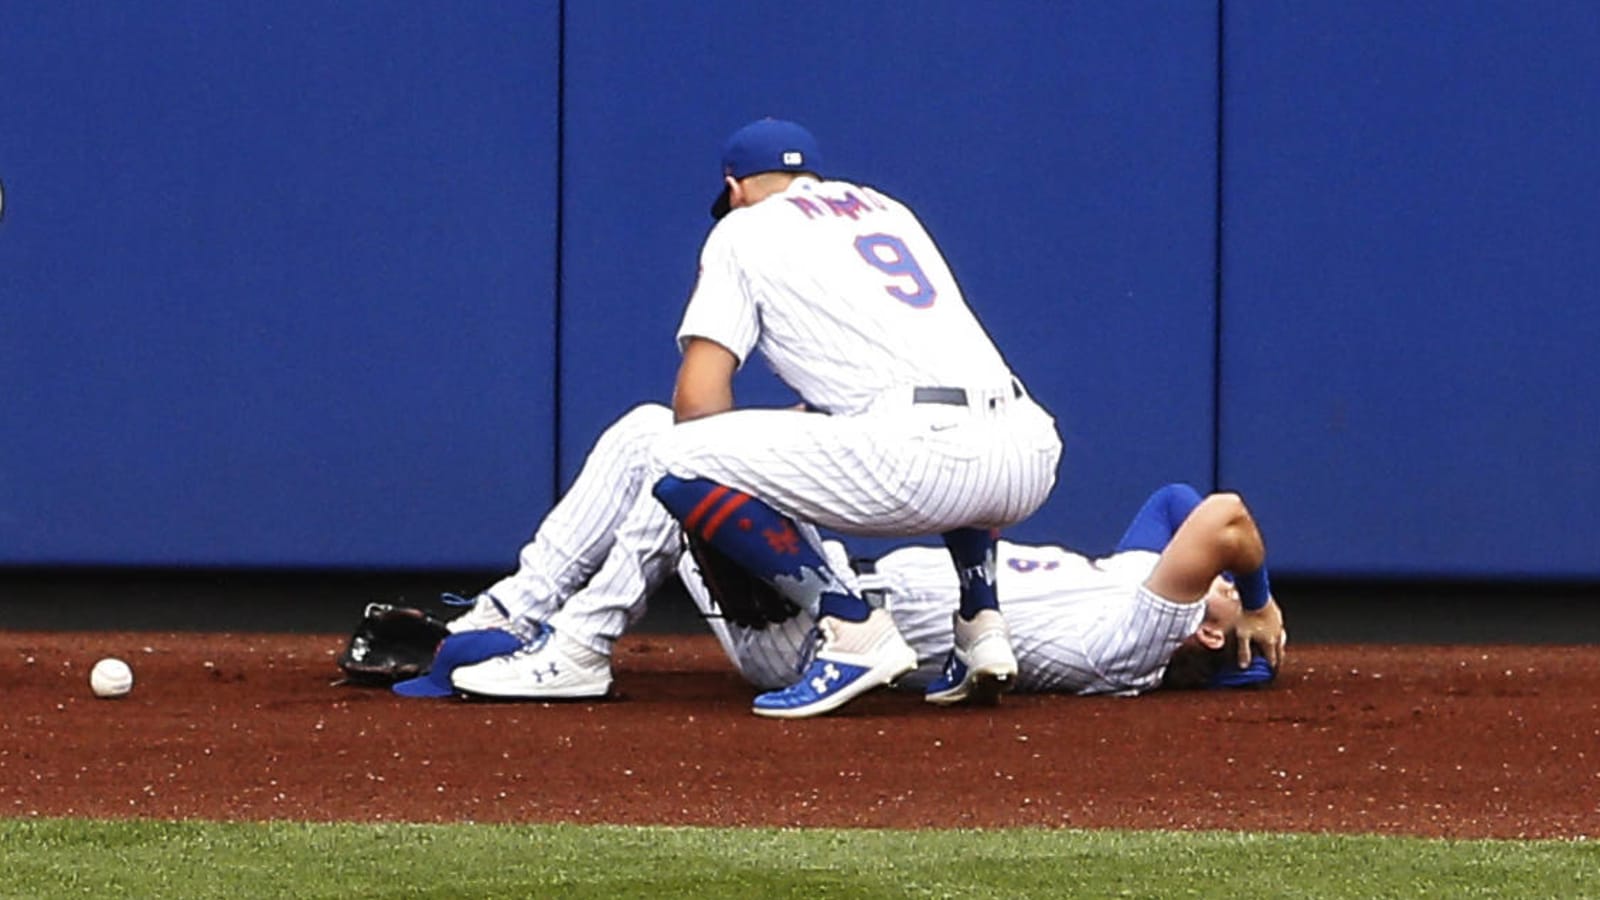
550, 667
486, 612
855, 657
980, 667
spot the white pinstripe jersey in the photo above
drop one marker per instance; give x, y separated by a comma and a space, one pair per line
844, 293
1078, 625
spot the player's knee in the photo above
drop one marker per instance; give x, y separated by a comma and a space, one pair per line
644, 424
669, 448
650, 416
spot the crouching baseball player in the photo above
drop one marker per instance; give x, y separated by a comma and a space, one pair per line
916, 425
1153, 612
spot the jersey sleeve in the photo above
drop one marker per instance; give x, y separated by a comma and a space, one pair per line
721, 307
1159, 518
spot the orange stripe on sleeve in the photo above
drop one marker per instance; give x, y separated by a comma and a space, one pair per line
693, 518
715, 522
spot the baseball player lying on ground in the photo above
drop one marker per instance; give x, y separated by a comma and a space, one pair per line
1154, 612
1160, 611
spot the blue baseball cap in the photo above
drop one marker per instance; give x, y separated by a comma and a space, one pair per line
766, 145
1230, 675
455, 651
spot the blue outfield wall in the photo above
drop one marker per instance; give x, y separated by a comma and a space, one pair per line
298, 285
1412, 284
276, 282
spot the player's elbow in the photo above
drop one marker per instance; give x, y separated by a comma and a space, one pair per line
696, 398
1238, 541
687, 408
705, 381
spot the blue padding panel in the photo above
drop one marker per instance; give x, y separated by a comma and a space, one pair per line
1062, 153
1410, 282
276, 282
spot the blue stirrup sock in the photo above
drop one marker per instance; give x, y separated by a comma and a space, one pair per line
972, 549
1157, 521
762, 540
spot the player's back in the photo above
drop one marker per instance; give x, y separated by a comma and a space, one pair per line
855, 297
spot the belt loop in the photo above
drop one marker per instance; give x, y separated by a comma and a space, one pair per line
949, 396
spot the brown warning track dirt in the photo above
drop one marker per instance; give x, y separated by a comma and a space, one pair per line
1458, 741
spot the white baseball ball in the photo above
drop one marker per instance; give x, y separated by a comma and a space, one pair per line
110, 678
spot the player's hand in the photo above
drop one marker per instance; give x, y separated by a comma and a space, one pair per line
1261, 631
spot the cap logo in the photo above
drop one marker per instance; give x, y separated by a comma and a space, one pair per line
793, 158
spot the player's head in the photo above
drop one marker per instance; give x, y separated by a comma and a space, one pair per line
1209, 657
1195, 667
765, 145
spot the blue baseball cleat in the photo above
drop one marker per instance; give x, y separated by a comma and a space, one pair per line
950, 681
855, 657
980, 667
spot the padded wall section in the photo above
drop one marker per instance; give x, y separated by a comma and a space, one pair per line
1410, 277
276, 282
1062, 153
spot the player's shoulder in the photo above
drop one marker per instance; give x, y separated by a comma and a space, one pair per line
799, 210
860, 192
829, 199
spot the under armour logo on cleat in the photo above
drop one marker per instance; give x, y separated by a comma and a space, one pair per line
821, 683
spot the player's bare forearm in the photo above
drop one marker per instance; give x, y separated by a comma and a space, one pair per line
698, 405
705, 381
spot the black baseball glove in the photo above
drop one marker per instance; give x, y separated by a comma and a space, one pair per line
391, 643
743, 598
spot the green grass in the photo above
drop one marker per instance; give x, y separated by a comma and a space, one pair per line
72, 858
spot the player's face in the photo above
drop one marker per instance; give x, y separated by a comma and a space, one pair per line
1222, 613
1222, 604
